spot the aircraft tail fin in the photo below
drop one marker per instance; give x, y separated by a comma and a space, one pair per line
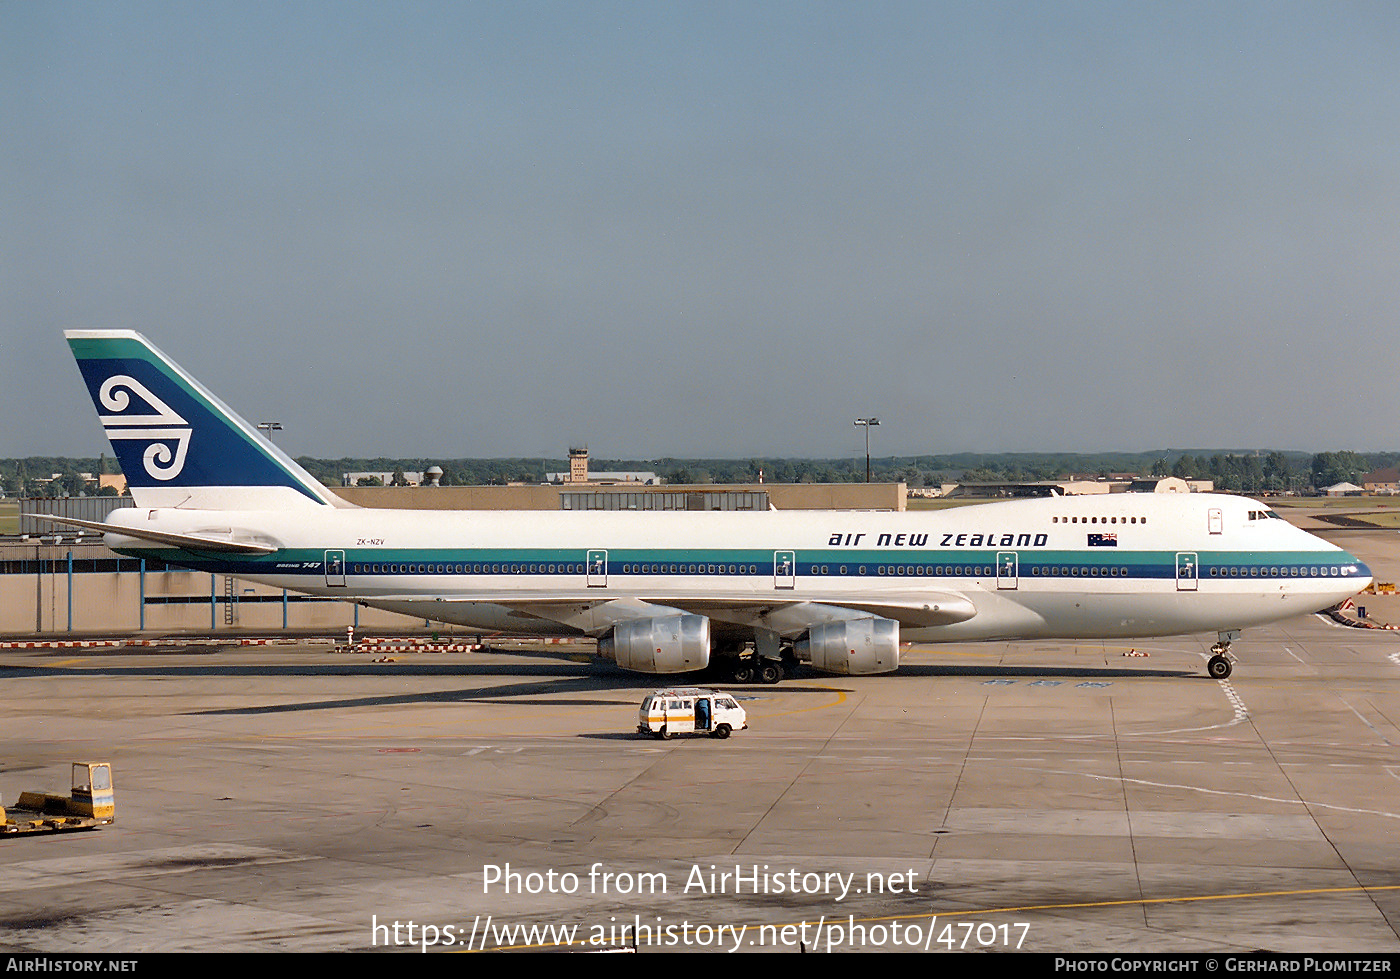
178, 444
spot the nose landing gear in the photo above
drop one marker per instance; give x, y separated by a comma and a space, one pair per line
1219, 666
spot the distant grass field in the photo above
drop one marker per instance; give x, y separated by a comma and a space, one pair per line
9, 516
1373, 511
1336, 502
924, 503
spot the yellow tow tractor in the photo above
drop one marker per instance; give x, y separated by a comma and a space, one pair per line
91, 804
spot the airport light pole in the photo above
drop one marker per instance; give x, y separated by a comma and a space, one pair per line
267, 428
867, 423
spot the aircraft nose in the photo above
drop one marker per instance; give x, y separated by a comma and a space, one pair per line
1360, 575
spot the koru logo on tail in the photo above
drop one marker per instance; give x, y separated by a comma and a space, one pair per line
158, 425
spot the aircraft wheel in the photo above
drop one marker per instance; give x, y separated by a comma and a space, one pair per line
722, 731
770, 672
742, 672
1218, 667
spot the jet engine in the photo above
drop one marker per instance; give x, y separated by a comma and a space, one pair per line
852, 647
667, 644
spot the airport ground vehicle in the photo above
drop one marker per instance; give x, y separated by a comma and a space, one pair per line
91, 804
690, 710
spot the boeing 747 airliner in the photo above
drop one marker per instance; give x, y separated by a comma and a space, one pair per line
673, 592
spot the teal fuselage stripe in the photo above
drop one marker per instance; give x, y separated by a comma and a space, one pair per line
570, 562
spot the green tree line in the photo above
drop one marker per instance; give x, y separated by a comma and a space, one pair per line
1245, 472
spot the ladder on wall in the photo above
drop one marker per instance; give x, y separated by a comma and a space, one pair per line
229, 612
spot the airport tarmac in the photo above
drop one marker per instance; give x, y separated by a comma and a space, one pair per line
1042, 796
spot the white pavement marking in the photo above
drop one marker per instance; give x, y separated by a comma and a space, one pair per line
1375, 730
1243, 795
1241, 714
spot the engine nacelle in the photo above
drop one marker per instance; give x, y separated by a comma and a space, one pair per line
852, 647
668, 644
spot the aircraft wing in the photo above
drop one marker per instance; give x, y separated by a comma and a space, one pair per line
786, 618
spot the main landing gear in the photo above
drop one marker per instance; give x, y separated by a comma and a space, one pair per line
1219, 665
754, 669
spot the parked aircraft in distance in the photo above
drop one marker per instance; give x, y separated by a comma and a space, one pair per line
671, 592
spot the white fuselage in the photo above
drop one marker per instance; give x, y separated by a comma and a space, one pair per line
1120, 565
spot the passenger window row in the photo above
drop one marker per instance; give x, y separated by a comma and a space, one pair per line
466, 568
892, 570
1280, 571
689, 569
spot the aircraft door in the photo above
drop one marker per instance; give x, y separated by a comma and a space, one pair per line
784, 569
335, 569
1214, 520
1186, 571
597, 569
1007, 565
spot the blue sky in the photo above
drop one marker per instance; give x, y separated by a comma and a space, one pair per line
709, 229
